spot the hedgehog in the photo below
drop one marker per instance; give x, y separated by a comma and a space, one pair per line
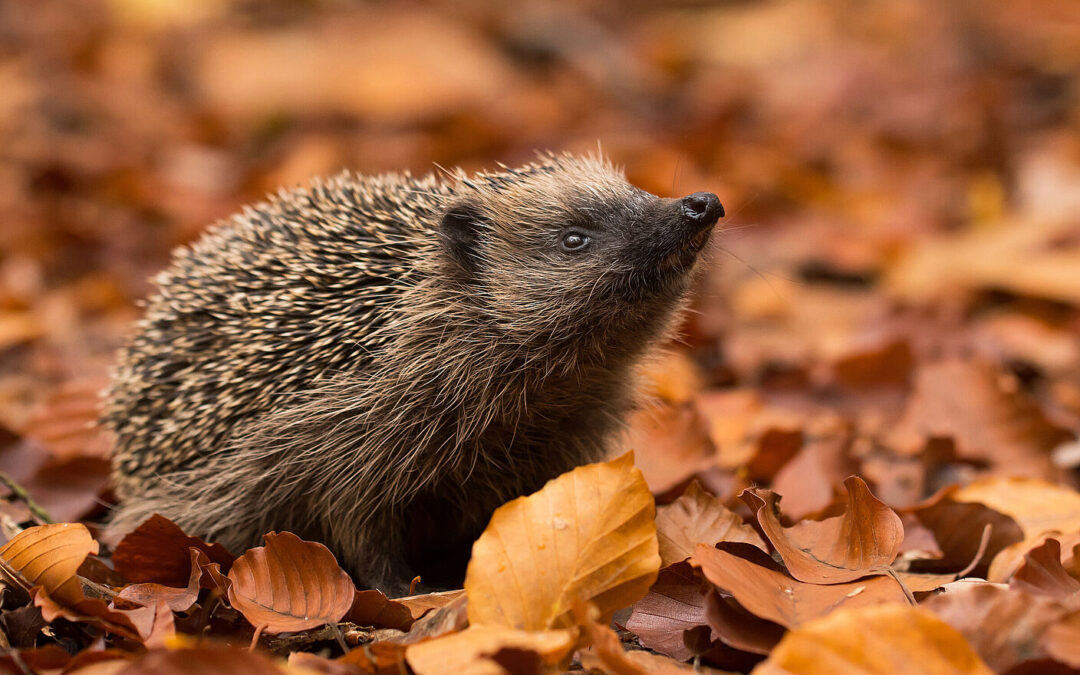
377, 363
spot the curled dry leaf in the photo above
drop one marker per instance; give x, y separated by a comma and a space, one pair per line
881, 640
1042, 574
587, 535
48, 556
289, 585
177, 599
864, 540
1038, 506
675, 603
474, 649
773, 595
1004, 625
1009, 559
699, 518
157, 552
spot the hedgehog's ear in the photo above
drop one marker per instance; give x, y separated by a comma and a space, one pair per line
460, 232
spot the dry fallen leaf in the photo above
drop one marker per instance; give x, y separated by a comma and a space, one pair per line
372, 608
49, 556
178, 599
587, 535
1004, 625
1009, 559
964, 400
1037, 505
289, 585
674, 603
773, 595
1042, 574
699, 518
863, 541
881, 640
475, 650
157, 551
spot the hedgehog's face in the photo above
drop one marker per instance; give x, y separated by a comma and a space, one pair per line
570, 247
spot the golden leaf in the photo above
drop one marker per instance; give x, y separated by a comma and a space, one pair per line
587, 535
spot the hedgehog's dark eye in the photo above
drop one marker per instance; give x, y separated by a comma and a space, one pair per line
573, 242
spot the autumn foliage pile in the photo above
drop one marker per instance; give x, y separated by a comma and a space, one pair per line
692, 581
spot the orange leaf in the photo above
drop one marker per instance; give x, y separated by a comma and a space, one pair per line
771, 594
49, 555
863, 541
874, 640
1038, 506
588, 534
477, 650
289, 585
698, 518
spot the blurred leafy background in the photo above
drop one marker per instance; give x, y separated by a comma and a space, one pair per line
911, 153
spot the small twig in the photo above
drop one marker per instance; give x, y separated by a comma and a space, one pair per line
21, 494
336, 630
907, 591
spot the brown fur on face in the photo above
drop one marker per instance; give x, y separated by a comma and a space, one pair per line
377, 363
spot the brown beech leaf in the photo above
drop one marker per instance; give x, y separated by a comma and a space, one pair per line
773, 595
958, 529
1037, 505
881, 640
49, 556
474, 649
699, 518
674, 603
607, 655
289, 585
1009, 559
670, 443
372, 608
1042, 574
1004, 625
738, 628
157, 551
588, 534
964, 400
137, 623
863, 541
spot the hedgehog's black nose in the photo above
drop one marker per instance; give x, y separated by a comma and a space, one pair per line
703, 208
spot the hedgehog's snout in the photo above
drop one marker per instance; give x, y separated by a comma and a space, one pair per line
702, 209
